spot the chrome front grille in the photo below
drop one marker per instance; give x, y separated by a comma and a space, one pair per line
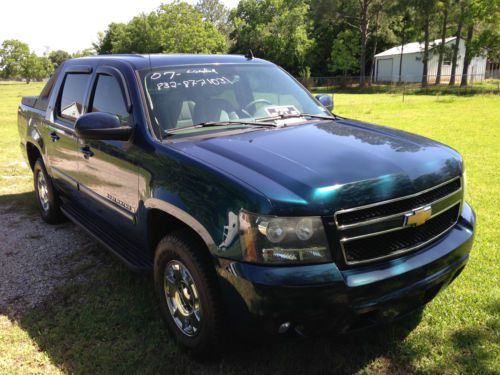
382, 230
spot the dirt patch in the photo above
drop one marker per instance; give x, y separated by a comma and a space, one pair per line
36, 258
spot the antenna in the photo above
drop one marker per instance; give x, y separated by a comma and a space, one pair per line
249, 55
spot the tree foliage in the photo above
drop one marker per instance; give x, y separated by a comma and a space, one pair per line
344, 57
173, 28
58, 57
277, 30
12, 56
16, 61
36, 67
217, 13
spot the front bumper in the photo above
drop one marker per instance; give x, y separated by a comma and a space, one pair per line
323, 296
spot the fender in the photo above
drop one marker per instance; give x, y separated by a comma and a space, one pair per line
183, 216
35, 140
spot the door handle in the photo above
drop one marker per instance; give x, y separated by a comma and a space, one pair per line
54, 137
87, 152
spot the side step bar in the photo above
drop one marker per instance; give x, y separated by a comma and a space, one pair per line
128, 253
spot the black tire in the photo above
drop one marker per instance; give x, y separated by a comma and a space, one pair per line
189, 251
50, 208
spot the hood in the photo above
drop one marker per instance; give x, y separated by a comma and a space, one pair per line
323, 166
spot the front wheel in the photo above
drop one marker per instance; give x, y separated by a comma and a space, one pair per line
47, 198
188, 294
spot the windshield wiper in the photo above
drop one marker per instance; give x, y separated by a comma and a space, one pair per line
218, 123
287, 116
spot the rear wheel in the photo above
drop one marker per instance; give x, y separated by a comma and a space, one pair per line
48, 201
187, 291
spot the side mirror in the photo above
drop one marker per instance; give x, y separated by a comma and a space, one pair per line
326, 100
102, 125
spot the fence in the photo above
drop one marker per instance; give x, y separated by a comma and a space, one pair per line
476, 84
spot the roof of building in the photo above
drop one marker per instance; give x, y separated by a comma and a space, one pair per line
413, 47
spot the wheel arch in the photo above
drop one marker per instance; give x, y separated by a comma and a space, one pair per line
33, 153
163, 217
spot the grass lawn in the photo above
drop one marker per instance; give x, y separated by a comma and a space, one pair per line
111, 325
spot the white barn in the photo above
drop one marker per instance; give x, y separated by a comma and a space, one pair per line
387, 63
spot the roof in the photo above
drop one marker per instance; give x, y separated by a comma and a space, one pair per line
413, 47
139, 62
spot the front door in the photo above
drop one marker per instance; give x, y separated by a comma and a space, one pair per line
107, 174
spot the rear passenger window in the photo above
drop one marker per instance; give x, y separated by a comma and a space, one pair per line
73, 96
108, 97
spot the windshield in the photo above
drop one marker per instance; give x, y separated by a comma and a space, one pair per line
183, 96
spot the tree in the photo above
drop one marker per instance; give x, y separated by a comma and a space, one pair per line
215, 12
12, 56
276, 30
114, 33
481, 18
58, 57
458, 36
404, 27
36, 67
173, 28
182, 29
345, 51
426, 8
378, 19
443, 5
360, 14
83, 53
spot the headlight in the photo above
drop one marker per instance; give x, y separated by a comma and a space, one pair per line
282, 240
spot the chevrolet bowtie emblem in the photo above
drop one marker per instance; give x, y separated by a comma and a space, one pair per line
418, 217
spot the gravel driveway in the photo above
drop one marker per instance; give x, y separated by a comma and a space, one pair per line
36, 258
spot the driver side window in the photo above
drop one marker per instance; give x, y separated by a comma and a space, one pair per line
107, 97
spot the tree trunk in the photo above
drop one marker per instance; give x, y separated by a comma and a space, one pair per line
364, 38
468, 57
375, 31
403, 41
455, 49
442, 46
372, 74
425, 60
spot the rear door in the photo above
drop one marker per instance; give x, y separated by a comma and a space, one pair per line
107, 173
65, 108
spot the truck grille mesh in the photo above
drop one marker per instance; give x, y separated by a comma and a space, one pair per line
404, 239
395, 207
382, 230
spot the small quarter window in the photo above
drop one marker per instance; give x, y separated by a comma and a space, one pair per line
73, 96
108, 97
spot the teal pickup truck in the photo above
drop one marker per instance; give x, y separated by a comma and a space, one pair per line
250, 202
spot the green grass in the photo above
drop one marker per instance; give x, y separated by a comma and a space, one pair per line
111, 324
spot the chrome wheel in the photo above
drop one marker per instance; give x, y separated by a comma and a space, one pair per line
43, 192
182, 298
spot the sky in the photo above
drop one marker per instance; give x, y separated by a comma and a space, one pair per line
48, 25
